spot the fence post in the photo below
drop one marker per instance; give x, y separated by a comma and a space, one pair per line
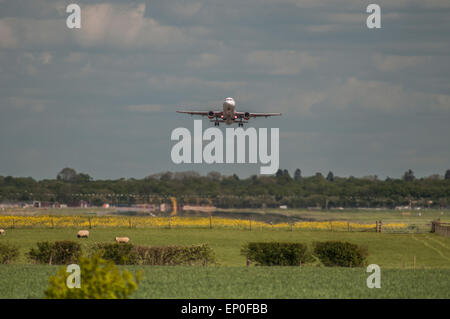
210, 222
381, 226
90, 226
376, 226
53, 225
250, 224
348, 226
331, 225
129, 221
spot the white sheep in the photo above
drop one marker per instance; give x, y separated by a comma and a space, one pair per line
83, 233
2, 232
122, 239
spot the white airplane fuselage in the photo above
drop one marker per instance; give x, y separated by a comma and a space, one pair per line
229, 108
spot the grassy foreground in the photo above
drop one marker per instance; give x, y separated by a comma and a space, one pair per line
394, 253
30, 281
385, 249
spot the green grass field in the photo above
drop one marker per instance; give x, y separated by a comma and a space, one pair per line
394, 253
387, 250
30, 281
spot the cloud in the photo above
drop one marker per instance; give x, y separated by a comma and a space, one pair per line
104, 25
203, 60
171, 83
355, 94
34, 105
351, 4
286, 62
186, 9
323, 27
145, 108
392, 63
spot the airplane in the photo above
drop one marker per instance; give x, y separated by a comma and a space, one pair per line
229, 115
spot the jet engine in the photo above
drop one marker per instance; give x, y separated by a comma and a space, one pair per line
210, 114
246, 116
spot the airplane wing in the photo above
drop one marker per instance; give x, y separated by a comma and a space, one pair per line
258, 114
202, 113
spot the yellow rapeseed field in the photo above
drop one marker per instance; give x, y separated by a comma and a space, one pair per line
175, 222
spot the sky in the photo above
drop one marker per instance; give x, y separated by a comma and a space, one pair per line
102, 99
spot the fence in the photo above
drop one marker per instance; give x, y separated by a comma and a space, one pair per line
181, 222
442, 229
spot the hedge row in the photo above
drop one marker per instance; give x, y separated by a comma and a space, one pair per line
8, 253
330, 253
128, 254
56, 253
276, 253
68, 252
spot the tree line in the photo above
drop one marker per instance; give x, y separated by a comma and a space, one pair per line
295, 191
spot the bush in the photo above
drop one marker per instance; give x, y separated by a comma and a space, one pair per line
343, 254
120, 254
100, 279
175, 255
128, 254
276, 253
8, 253
57, 253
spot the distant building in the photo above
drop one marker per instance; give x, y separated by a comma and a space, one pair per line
78, 203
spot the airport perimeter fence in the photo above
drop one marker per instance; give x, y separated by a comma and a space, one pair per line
90, 222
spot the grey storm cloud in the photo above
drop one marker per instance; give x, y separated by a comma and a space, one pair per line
102, 99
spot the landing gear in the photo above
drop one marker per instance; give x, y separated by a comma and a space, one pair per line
240, 124
216, 123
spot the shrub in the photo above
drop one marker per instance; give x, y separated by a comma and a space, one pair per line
57, 253
175, 255
8, 253
128, 254
343, 254
120, 254
276, 253
100, 279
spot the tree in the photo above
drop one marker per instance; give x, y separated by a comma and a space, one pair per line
279, 173
330, 176
215, 176
67, 175
83, 178
447, 174
99, 279
297, 174
409, 176
167, 176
